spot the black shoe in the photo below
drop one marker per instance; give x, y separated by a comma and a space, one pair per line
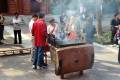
20, 43
44, 66
1, 43
39, 67
3, 38
118, 59
15, 43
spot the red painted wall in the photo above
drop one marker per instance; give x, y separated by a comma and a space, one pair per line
25, 6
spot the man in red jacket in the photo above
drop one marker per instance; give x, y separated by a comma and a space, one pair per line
39, 31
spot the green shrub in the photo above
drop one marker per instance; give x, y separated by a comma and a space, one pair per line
104, 38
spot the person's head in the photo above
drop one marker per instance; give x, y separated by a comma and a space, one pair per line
41, 15
16, 15
35, 17
116, 15
52, 21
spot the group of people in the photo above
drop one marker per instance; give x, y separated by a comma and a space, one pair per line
39, 34
17, 24
40, 31
115, 24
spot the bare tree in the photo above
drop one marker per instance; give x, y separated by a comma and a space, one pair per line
99, 17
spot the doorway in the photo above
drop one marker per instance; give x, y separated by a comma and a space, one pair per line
4, 6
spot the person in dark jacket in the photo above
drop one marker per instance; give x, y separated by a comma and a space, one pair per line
118, 37
115, 22
2, 19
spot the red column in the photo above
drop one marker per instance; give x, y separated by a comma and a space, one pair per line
12, 7
26, 6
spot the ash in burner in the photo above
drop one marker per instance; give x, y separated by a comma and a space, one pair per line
66, 42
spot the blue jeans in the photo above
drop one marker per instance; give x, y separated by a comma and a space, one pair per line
38, 58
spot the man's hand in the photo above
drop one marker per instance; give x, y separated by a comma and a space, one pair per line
116, 26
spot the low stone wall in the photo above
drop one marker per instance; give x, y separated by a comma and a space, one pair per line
26, 18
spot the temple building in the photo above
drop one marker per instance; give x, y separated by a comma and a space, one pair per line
24, 7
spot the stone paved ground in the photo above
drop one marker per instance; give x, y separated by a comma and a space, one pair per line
18, 67
9, 40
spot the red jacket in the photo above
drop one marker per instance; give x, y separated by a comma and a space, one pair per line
39, 31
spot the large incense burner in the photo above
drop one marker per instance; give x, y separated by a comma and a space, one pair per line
71, 55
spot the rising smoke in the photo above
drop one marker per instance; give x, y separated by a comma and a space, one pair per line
78, 11
60, 6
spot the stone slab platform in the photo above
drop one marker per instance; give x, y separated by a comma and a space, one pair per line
11, 49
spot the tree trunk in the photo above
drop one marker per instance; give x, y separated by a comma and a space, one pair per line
99, 22
99, 17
